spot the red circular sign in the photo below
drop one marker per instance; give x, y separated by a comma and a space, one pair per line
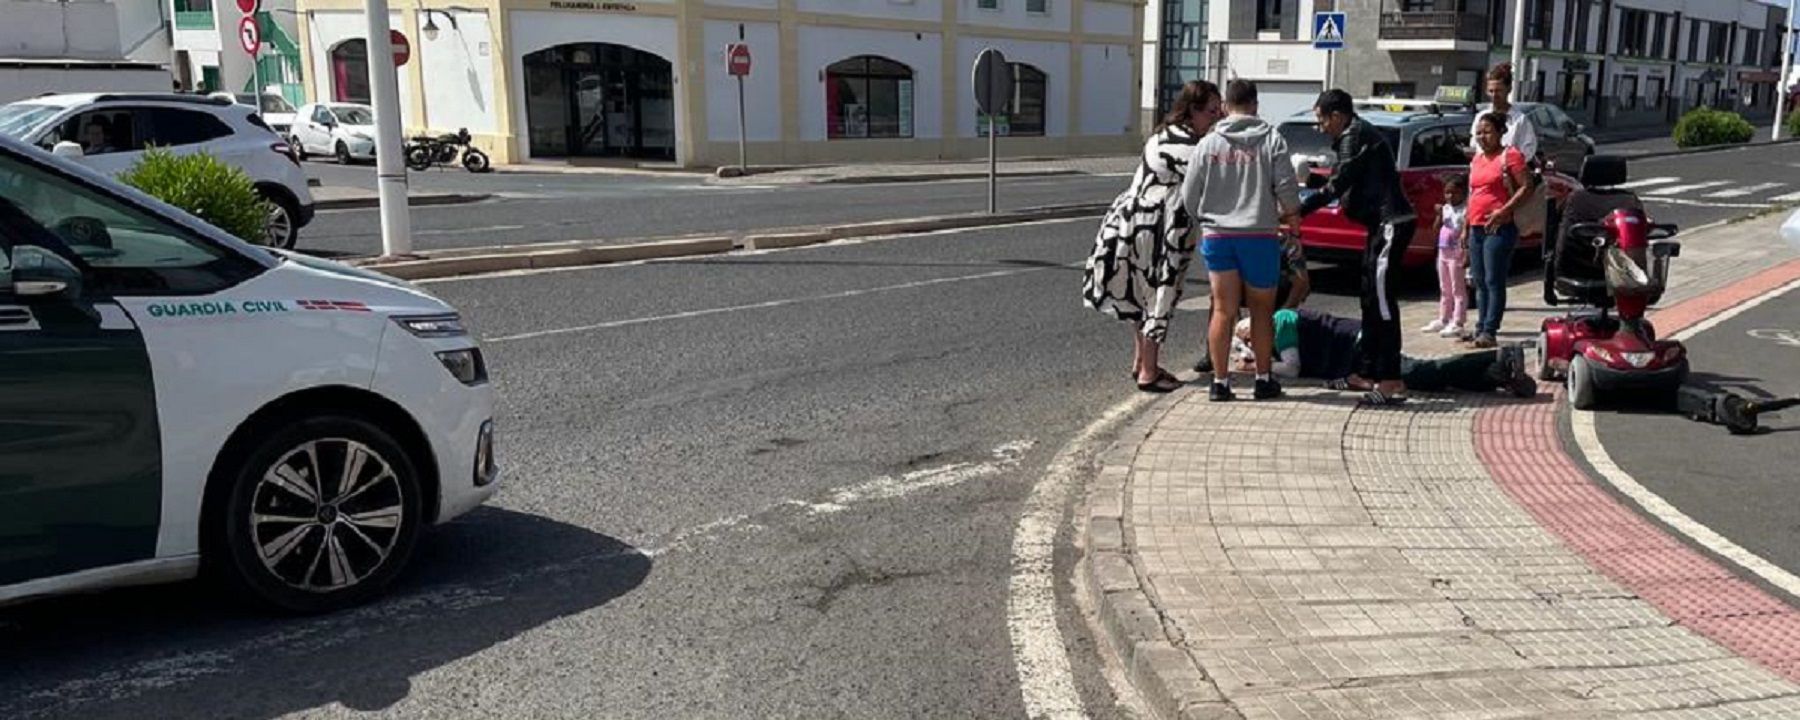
402, 48
737, 59
248, 6
249, 35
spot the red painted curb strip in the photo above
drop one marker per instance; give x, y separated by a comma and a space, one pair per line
1519, 446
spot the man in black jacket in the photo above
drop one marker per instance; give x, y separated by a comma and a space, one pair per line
1366, 181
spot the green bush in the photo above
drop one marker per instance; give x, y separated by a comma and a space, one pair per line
1792, 125
206, 188
1705, 126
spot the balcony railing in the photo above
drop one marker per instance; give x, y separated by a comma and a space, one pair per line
1417, 25
193, 19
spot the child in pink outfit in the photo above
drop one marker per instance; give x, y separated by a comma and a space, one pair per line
1452, 256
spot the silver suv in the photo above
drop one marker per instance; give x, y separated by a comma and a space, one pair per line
109, 132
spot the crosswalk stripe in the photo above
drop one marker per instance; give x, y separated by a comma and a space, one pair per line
1647, 182
1743, 191
1790, 197
1679, 189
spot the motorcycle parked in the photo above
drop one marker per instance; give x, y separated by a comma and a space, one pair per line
425, 151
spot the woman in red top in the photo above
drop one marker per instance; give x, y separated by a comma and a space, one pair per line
1498, 185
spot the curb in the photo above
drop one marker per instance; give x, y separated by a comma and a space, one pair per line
1171, 684
942, 177
473, 261
1701, 150
420, 200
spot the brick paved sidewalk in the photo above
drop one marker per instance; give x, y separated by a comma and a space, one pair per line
1356, 562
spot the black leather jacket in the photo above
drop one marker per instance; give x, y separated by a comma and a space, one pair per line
1366, 179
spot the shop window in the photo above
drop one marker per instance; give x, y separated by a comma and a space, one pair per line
1030, 93
1627, 91
350, 72
868, 97
1268, 15
1653, 97
988, 4
1038, 7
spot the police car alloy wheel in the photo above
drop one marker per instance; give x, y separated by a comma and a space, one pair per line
322, 514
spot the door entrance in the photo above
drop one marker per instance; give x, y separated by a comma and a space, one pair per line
600, 100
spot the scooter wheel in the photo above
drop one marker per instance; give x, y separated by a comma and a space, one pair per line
1582, 393
1545, 371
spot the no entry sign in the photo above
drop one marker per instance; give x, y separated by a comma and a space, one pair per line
247, 6
402, 48
737, 59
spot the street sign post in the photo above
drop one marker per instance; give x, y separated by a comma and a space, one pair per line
249, 35
737, 63
993, 79
1328, 35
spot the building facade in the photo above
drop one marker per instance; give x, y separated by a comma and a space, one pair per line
208, 56
646, 81
1613, 64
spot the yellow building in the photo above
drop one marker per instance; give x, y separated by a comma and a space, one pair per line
831, 80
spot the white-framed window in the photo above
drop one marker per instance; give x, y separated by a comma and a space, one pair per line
987, 4
1037, 7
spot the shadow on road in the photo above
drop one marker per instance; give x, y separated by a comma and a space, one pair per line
184, 651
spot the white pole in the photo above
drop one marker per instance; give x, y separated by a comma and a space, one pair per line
390, 168
993, 164
1787, 66
1518, 50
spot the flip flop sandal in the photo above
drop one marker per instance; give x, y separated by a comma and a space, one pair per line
1342, 384
1377, 397
1164, 384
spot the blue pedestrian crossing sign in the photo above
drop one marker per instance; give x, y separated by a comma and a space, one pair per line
1328, 31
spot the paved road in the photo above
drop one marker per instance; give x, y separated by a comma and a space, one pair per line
1687, 190
1741, 487
762, 485
627, 211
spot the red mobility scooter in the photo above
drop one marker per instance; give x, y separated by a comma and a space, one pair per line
1610, 257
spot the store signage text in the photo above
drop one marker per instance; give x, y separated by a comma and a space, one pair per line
590, 5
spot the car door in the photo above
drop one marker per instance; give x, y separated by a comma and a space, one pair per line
80, 450
323, 122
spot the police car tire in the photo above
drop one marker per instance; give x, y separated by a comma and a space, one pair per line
243, 565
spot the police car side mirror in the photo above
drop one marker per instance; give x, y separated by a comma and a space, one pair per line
40, 273
66, 149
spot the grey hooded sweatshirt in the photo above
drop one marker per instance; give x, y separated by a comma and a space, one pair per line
1241, 179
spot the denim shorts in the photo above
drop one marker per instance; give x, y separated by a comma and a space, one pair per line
1255, 258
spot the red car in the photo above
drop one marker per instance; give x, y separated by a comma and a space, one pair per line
1433, 146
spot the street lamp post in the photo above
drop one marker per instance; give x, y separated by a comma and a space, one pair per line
390, 168
1787, 66
1518, 49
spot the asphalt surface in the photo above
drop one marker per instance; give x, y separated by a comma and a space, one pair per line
1743, 487
760, 485
539, 208
629, 210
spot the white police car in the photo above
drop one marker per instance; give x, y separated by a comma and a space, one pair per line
173, 400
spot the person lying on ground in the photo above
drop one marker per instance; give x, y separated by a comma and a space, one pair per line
1318, 345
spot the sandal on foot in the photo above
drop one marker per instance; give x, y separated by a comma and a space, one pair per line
1164, 383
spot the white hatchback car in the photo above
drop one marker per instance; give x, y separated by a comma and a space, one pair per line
174, 401
345, 131
275, 109
109, 133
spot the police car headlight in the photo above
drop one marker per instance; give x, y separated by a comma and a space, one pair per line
465, 365
433, 326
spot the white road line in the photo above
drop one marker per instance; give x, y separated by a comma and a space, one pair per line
762, 305
1749, 190
1679, 189
1647, 182
1046, 679
1790, 197
1587, 440
1685, 202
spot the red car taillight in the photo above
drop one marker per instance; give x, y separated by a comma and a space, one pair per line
286, 152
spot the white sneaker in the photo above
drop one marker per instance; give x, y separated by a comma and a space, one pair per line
1453, 331
1435, 326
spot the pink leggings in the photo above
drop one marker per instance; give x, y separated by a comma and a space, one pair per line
1453, 287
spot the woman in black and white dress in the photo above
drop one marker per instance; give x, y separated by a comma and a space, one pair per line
1141, 255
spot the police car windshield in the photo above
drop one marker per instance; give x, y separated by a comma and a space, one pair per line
1303, 138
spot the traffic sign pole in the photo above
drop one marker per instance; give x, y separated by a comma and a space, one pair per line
993, 81
390, 170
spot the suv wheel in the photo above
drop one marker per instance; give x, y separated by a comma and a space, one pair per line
282, 230
299, 149
322, 514
343, 153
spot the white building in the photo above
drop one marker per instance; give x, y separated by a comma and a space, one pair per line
80, 46
832, 80
208, 55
